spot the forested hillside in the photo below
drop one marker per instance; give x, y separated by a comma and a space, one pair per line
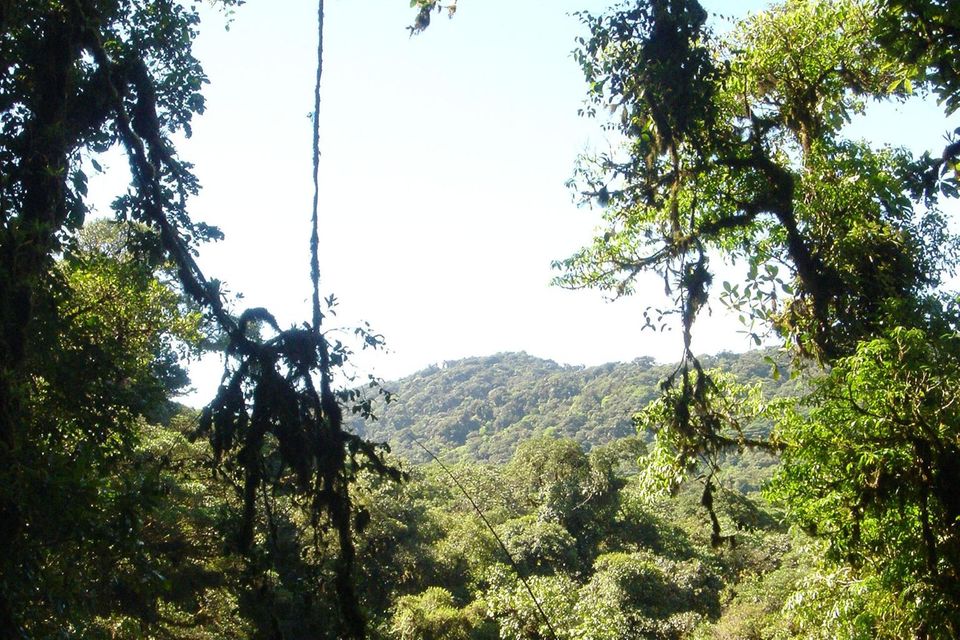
482, 408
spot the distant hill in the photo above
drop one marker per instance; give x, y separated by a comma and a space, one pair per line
481, 408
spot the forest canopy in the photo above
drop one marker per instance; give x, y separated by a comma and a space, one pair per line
264, 515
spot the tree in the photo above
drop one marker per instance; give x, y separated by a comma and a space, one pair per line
79, 77
561, 484
872, 467
744, 157
76, 77
432, 615
641, 596
733, 149
519, 617
538, 545
104, 341
922, 34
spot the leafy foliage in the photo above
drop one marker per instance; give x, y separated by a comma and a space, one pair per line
640, 569
872, 467
430, 615
843, 249
765, 180
483, 408
104, 357
78, 78
733, 149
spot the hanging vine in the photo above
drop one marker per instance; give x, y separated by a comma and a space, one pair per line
268, 386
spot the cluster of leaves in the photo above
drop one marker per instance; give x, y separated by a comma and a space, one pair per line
425, 8
884, 423
922, 33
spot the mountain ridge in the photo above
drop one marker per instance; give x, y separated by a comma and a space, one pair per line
482, 407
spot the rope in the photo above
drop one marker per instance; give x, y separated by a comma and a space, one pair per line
503, 547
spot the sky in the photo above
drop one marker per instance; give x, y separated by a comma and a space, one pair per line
443, 170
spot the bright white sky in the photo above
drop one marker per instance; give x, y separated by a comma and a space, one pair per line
442, 178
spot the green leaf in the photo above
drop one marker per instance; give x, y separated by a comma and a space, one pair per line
775, 369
